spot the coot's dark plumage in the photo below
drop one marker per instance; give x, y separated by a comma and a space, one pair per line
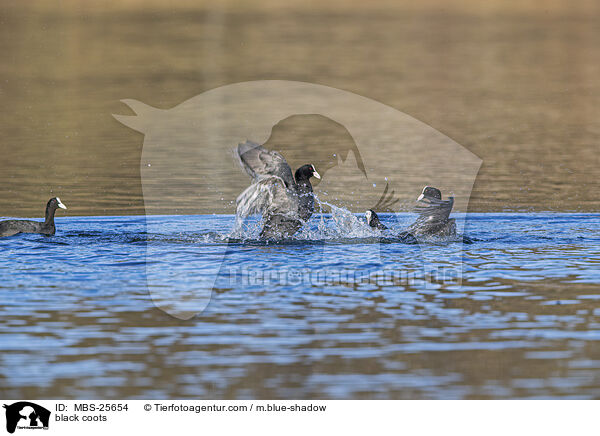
13, 227
373, 220
385, 202
286, 202
434, 215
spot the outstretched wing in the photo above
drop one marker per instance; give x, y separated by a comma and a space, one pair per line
260, 162
433, 211
267, 196
386, 201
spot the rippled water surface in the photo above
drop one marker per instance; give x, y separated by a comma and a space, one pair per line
78, 320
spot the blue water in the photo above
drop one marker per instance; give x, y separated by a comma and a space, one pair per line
338, 312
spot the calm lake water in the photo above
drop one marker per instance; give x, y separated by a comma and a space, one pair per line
78, 320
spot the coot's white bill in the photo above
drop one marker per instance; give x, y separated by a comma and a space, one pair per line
62, 206
315, 173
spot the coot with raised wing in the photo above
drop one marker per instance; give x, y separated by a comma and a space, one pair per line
285, 202
13, 227
434, 215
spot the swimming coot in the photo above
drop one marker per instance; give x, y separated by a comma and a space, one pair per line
385, 203
285, 202
405, 236
12, 227
434, 215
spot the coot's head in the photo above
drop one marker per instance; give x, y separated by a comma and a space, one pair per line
369, 216
430, 192
307, 171
55, 203
372, 218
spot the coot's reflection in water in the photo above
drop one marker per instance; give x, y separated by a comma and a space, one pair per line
79, 321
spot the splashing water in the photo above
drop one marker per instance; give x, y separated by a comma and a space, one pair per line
344, 223
339, 224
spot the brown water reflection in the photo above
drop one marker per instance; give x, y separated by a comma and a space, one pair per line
515, 84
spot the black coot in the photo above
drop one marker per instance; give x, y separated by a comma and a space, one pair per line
434, 215
285, 202
373, 220
12, 227
385, 202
